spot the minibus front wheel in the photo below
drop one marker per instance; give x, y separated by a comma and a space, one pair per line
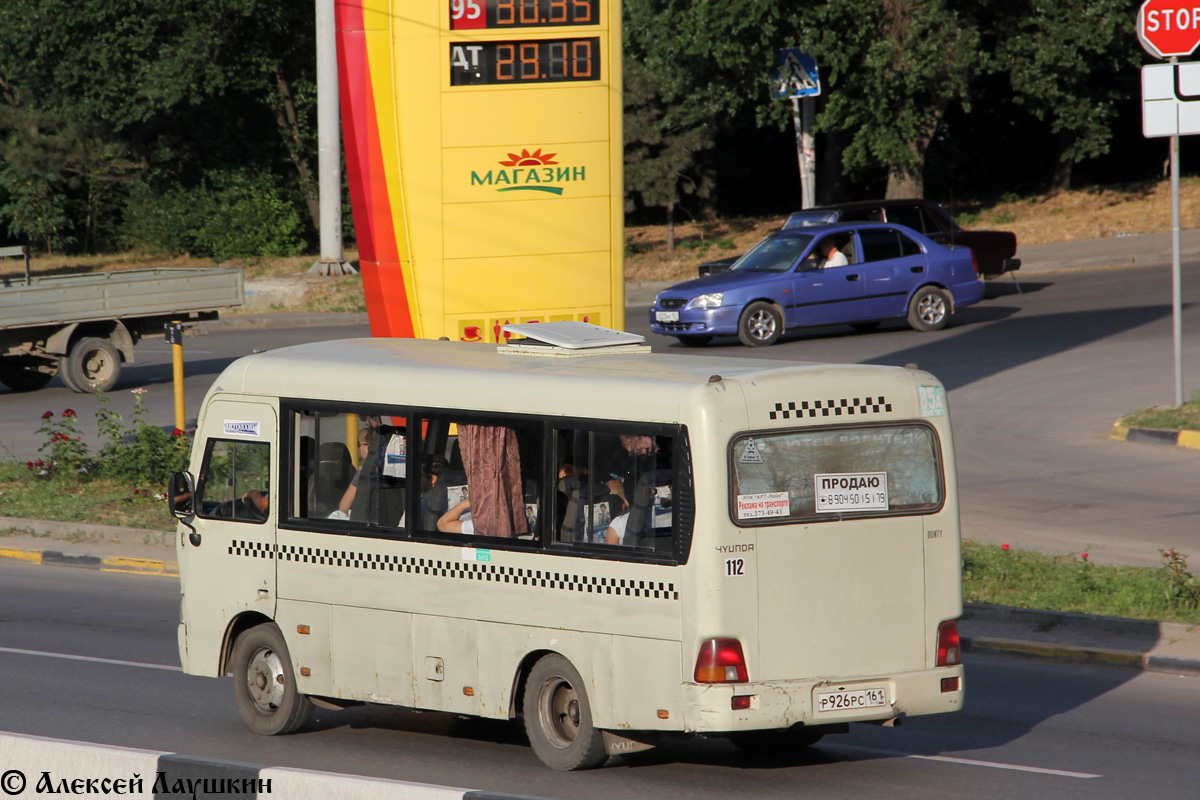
558, 717
265, 685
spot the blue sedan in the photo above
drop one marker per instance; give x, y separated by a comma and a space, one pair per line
858, 274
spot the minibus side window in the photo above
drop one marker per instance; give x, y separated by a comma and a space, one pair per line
235, 481
614, 489
831, 473
350, 467
480, 477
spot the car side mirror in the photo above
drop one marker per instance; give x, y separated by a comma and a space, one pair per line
809, 264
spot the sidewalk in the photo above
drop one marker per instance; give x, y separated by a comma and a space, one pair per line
1057, 636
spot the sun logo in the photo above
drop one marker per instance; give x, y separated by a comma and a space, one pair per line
528, 159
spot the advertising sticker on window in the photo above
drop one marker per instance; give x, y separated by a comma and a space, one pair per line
851, 491
767, 504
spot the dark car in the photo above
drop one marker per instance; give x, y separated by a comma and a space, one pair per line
856, 273
993, 250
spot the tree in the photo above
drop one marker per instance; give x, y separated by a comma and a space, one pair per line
892, 68
1061, 57
690, 65
181, 87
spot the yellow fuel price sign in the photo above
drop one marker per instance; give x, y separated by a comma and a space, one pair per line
484, 157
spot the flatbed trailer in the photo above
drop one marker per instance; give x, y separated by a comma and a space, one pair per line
84, 327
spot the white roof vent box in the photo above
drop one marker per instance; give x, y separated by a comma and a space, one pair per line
570, 339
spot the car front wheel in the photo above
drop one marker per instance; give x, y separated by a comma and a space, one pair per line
929, 309
761, 325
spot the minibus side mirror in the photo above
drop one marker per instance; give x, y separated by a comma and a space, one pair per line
181, 496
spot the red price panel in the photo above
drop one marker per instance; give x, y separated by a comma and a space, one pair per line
503, 14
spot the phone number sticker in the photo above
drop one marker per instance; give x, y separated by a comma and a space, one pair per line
766, 504
851, 491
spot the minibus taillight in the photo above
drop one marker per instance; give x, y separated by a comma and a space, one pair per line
948, 651
721, 661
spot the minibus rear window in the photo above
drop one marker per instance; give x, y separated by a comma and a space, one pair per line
829, 474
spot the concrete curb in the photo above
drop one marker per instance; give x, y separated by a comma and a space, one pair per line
1188, 439
106, 769
1145, 662
57, 558
1138, 633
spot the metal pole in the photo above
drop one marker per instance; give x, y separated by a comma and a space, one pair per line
808, 153
805, 151
1176, 280
174, 335
329, 145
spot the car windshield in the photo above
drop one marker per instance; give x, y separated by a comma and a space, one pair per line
802, 218
774, 254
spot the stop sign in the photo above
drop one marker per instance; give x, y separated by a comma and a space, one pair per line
1169, 28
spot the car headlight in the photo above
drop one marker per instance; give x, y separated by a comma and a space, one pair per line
712, 300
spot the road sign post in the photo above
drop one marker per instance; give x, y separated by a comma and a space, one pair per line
1170, 29
796, 79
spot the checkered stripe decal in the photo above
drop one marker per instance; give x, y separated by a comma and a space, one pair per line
459, 570
832, 408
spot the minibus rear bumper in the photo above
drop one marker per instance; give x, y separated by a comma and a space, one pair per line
710, 708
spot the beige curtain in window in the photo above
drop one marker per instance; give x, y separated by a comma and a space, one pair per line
493, 464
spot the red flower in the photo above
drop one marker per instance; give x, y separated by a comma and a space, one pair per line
28, 465
1083, 556
70, 412
48, 415
177, 432
1004, 547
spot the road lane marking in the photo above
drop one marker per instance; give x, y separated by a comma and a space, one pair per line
1000, 765
92, 659
973, 762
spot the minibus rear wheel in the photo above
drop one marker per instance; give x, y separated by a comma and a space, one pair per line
265, 685
558, 717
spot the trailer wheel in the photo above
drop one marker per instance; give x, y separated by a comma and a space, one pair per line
93, 365
22, 379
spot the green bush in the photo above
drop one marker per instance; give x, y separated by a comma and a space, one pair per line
1007, 576
138, 453
230, 214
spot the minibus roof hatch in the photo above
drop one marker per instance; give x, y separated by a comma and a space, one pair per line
570, 338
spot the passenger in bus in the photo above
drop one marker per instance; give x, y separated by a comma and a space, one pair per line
434, 499
452, 521
618, 504
365, 437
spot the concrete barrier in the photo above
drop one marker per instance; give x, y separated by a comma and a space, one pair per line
32, 766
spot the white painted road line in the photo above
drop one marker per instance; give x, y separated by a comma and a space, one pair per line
89, 658
970, 762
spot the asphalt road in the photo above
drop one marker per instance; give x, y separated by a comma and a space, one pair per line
1035, 382
91, 656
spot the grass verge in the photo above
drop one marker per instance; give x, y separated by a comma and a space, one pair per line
1183, 418
1026, 579
99, 501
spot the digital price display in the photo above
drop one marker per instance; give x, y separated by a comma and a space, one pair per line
485, 162
490, 14
535, 61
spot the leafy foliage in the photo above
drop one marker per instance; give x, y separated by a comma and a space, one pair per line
103, 94
135, 453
